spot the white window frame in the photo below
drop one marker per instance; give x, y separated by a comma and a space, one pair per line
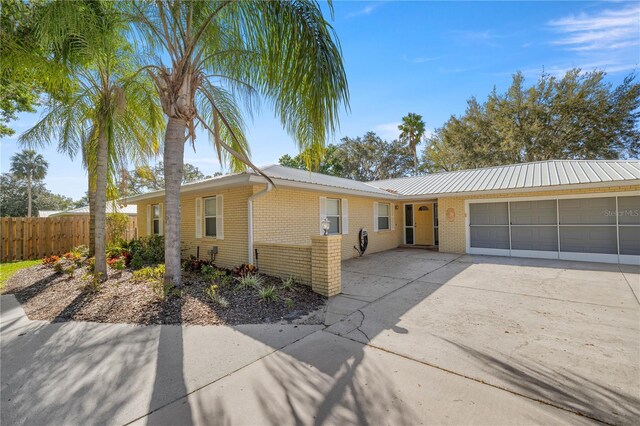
585, 257
388, 216
154, 219
205, 217
338, 215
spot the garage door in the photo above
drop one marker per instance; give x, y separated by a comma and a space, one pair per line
601, 229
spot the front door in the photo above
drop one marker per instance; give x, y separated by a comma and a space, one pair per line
424, 224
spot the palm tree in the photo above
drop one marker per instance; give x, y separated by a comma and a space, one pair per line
211, 57
30, 166
111, 114
411, 132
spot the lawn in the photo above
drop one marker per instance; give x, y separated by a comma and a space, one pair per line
8, 269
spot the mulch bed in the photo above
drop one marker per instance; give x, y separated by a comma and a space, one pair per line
47, 295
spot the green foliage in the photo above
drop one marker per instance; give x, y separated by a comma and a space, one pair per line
412, 131
145, 251
151, 178
363, 158
80, 251
212, 293
13, 202
91, 264
149, 273
93, 283
58, 267
29, 165
578, 116
117, 227
70, 270
249, 281
289, 283
117, 263
289, 303
268, 294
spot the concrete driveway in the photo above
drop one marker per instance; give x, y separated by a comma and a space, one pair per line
417, 337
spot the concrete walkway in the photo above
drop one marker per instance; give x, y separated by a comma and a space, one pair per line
417, 337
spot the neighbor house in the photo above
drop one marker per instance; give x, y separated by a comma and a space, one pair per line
574, 210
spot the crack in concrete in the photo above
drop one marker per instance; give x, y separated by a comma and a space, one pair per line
629, 284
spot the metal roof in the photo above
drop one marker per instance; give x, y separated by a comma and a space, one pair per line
130, 209
276, 171
538, 175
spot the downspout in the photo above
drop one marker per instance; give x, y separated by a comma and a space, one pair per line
250, 217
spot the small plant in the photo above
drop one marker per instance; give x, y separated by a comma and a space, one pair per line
91, 264
225, 280
245, 269
212, 293
288, 283
50, 260
117, 263
162, 290
249, 281
80, 251
92, 282
58, 267
268, 294
69, 270
137, 261
289, 303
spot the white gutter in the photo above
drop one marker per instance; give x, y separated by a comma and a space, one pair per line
250, 217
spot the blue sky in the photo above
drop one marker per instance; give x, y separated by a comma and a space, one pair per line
428, 58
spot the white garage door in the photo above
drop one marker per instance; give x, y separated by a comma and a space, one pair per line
600, 229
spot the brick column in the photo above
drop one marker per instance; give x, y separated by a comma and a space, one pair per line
326, 254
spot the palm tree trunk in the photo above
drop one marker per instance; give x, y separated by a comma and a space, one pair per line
173, 162
91, 194
101, 207
415, 161
29, 197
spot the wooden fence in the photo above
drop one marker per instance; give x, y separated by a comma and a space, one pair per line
25, 238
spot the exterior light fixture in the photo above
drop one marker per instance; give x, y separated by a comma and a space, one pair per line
325, 225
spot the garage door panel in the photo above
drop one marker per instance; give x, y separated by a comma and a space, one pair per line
539, 238
542, 212
629, 210
495, 237
587, 211
489, 213
588, 239
630, 240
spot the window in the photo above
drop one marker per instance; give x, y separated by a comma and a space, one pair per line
333, 214
156, 219
383, 216
210, 217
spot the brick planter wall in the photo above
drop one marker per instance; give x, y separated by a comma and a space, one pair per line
326, 264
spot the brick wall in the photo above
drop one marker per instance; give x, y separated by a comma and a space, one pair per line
284, 260
290, 216
453, 233
326, 271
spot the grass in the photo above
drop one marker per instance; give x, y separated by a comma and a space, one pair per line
7, 270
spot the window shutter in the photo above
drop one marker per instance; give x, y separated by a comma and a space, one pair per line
375, 217
392, 219
161, 220
198, 217
345, 216
323, 212
220, 217
148, 219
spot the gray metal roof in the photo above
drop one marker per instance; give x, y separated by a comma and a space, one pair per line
130, 209
517, 176
276, 171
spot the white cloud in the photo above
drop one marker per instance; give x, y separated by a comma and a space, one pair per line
607, 29
366, 10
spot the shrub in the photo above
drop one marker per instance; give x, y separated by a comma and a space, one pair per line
146, 250
268, 294
69, 270
245, 269
50, 260
58, 267
288, 283
249, 281
225, 280
195, 265
91, 264
149, 273
80, 251
289, 303
117, 227
114, 250
117, 263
